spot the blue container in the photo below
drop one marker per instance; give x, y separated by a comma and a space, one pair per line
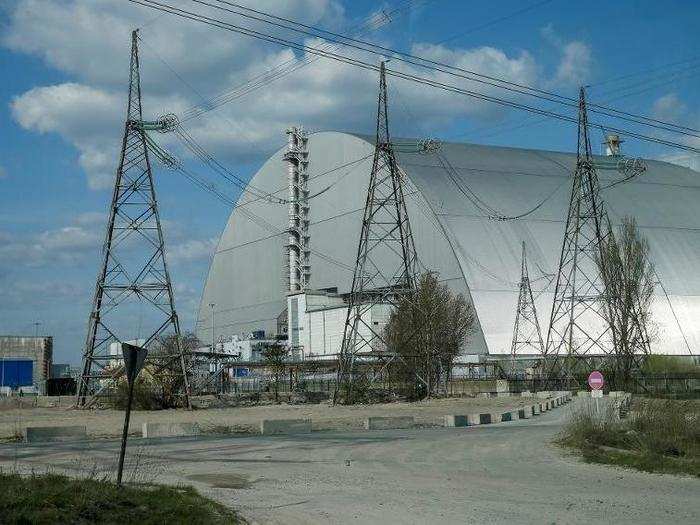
15, 373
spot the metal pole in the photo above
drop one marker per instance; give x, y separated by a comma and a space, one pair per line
597, 409
217, 360
125, 432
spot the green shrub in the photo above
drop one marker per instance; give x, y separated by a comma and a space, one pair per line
666, 427
146, 396
669, 365
51, 498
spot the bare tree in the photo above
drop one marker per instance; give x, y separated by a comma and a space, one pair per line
166, 370
275, 355
629, 282
160, 384
428, 329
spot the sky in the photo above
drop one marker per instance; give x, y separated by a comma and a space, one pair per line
65, 67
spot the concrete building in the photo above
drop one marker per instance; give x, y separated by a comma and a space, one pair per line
317, 322
247, 347
25, 362
474, 254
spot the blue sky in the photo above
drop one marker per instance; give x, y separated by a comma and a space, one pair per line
64, 68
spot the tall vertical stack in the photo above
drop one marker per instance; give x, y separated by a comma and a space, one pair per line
134, 296
298, 259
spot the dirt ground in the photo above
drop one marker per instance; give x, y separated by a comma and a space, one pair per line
501, 473
108, 423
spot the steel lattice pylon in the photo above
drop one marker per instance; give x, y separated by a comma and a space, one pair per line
527, 336
578, 326
386, 267
133, 296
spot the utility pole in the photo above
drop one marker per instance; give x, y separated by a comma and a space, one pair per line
133, 270
386, 267
526, 332
217, 359
578, 326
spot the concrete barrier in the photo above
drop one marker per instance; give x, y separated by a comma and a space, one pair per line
526, 393
583, 393
381, 423
525, 413
536, 409
509, 416
617, 393
156, 430
503, 394
502, 386
456, 421
468, 420
473, 419
285, 426
50, 434
543, 394
485, 419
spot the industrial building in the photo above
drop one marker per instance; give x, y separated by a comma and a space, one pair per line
277, 257
25, 363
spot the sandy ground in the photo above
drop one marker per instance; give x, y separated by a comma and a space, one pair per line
489, 474
109, 423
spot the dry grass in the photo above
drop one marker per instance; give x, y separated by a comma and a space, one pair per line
659, 436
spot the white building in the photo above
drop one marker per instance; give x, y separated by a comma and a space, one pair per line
473, 254
316, 323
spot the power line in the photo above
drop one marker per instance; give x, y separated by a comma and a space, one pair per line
648, 86
495, 21
253, 217
411, 59
289, 66
406, 76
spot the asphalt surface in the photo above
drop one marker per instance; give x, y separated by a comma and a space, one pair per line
502, 473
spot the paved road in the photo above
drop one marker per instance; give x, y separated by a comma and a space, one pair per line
504, 473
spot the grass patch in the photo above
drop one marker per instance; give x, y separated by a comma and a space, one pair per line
659, 436
52, 498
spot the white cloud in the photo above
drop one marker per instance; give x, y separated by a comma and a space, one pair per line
575, 66
66, 245
191, 250
82, 238
576, 62
85, 116
669, 108
89, 40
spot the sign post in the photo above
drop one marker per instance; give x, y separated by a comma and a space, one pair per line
596, 381
134, 357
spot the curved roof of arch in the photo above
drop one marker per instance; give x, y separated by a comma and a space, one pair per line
475, 255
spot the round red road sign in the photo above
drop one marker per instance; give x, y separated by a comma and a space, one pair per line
595, 380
